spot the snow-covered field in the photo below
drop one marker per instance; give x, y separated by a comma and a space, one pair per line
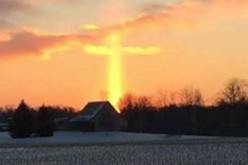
88, 138
82, 138
122, 148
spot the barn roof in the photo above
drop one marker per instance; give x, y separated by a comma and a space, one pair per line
91, 110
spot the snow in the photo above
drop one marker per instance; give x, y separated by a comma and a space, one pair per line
122, 148
177, 154
84, 138
106, 138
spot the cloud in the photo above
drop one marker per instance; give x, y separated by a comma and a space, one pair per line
6, 26
157, 16
12, 6
156, 8
26, 43
8, 6
51, 1
183, 14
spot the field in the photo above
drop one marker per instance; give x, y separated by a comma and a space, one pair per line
133, 150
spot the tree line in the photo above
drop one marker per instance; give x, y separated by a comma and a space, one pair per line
187, 115
227, 117
25, 121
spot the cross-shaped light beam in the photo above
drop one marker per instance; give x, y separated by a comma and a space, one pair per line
114, 50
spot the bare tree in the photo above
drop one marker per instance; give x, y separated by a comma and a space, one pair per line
191, 96
142, 102
130, 102
126, 102
161, 99
173, 98
236, 91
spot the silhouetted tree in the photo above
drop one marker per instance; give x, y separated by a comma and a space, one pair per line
136, 110
21, 125
142, 103
44, 124
191, 97
236, 91
161, 100
127, 102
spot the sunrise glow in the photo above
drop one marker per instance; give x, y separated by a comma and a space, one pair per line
119, 69
113, 51
115, 70
128, 46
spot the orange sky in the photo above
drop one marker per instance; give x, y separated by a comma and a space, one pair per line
42, 58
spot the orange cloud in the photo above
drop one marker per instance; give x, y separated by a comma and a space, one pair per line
177, 15
28, 43
157, 16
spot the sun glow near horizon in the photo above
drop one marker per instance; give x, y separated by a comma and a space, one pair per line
140, 47
115, 51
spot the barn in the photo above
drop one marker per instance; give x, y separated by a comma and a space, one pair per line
98, 116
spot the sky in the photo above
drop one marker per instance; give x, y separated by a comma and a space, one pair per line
156, 45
